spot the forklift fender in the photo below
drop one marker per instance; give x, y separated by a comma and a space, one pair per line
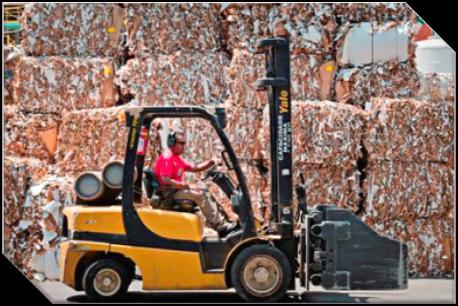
240, 247
71, 253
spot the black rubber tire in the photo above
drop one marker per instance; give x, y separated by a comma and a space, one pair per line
91, 271
249, 252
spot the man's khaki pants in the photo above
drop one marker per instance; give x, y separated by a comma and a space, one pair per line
208, 207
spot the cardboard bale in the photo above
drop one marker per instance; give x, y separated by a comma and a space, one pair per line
414, 202
373, 12
160, 28
32, 211
324, 132
19, 175
410, 130
325, 185
331, 185
56, 84
311, 26
243, 127
366, 43
246, 68
404, 189
23, 131
437, 87
390, 79
179, 78
90, 138
72, 29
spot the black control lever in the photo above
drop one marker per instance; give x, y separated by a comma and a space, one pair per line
301, 194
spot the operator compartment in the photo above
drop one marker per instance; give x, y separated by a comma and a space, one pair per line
85, 221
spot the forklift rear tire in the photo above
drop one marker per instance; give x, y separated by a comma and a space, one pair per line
261, 273
106, 280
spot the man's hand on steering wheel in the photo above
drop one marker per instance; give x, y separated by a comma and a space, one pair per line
216, 162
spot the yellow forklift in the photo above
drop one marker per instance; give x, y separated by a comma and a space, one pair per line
109, 237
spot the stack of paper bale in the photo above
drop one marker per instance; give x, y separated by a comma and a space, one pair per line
178, 58
375, 51
437, 87
88, 139
30, 135
408, 189
66, 62
33, 215
311, 26
390, 79
326, 147
166, 28
73, 29
372, 12
179, 78
70, 52
56, 84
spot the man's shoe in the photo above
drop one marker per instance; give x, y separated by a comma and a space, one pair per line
227, 228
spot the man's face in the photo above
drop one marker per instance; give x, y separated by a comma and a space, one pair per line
180, 143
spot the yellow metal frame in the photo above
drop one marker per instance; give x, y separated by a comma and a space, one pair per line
161, 269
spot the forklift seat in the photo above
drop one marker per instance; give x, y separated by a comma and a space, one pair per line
161, 198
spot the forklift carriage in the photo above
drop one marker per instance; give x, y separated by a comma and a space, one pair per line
330, 246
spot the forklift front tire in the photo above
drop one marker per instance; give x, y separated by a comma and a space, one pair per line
106, 280
261, 273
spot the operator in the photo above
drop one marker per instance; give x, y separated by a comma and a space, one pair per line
169, 170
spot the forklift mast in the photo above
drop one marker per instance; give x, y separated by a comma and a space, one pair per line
335, 248
277, 85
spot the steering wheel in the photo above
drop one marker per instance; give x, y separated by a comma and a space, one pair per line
210, 173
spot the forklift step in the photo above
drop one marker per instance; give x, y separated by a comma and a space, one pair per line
214, 271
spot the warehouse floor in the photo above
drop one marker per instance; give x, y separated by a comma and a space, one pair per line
420, 291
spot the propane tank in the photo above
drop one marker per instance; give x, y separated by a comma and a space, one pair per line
112, 174
89, 186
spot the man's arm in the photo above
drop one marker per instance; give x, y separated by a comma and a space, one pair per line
201, 167
174, 184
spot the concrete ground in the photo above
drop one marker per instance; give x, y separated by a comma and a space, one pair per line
433, 291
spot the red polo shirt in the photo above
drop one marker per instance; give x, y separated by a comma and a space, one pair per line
171, 166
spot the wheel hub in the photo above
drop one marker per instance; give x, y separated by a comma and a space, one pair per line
261, 275
107, 282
